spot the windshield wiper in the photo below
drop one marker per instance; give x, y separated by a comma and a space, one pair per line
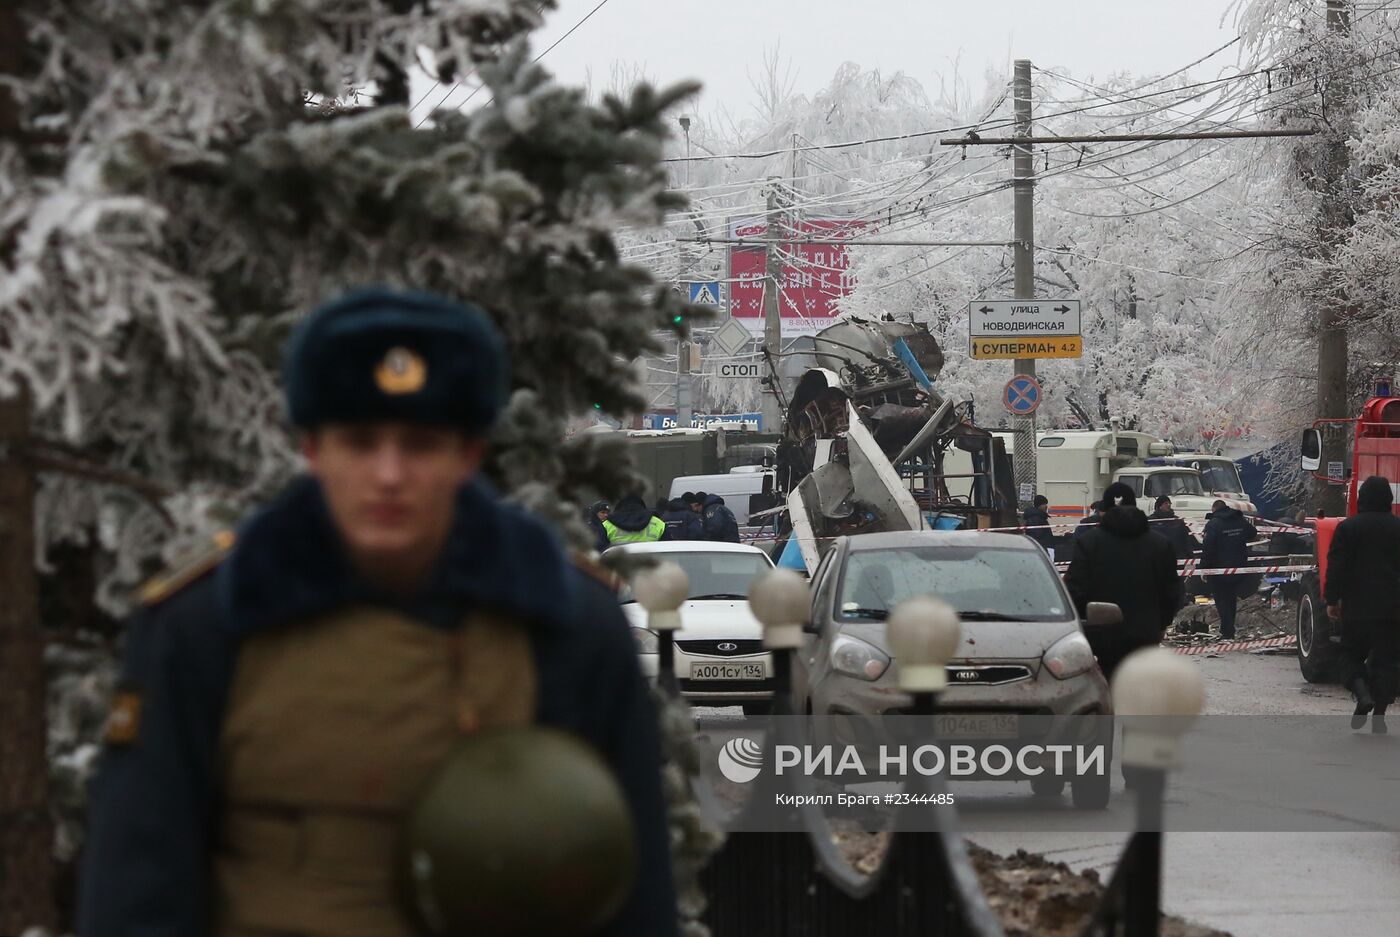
986, 616
718, 595
878, 614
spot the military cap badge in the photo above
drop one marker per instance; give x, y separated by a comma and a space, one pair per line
401, 372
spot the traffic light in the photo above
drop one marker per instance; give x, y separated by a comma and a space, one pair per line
678, 318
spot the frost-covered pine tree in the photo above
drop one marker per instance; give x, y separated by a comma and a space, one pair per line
179, 181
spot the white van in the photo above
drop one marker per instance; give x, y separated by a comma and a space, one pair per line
745, 490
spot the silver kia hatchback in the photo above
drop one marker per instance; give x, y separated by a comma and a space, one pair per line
1023, 652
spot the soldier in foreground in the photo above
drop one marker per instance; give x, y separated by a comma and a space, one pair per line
287, 699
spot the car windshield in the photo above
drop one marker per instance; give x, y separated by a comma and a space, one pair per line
987, 583
1173, 483
1220, 476
714, 574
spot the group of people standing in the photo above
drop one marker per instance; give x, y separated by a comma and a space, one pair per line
1120, 554
692, 516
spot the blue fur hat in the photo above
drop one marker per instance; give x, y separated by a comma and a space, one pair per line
382, 354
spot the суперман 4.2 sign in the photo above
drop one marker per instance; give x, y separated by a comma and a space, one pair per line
1024, 328
1071, 347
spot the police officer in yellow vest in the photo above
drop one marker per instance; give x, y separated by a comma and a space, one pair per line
286, 696
631, 522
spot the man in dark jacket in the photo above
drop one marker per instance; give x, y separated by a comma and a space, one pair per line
1363, 592
632, 522
719, 521
1122, 561
1165, 522
1227, 538
597, 513
286, 695
1037, 518
681, 522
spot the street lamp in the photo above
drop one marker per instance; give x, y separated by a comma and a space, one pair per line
685, 128
923, 633
1159, 694
661, 590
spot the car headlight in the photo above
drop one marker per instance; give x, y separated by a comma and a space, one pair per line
858, 659
646, 640
1070, 656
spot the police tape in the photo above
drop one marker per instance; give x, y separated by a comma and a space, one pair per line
1188, 568
1287, 640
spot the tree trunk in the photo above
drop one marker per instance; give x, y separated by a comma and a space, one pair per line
26, 831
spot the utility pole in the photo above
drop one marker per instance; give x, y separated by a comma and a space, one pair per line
1332, 397
772, 315
26, 832
1024, 426
684, 408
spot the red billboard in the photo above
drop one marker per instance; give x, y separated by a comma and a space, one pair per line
816, 275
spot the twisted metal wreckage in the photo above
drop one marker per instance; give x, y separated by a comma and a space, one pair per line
865, 437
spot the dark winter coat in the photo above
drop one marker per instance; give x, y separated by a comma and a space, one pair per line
1124, 562
631, 514
1227, 540
719, 521
1175, 530
1363, 562
152, 820
1039, 519
600, 535
682, 523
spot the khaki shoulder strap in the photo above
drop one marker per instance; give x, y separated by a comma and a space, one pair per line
496, 667
187, 569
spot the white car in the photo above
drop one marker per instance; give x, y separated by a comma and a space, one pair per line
719, 656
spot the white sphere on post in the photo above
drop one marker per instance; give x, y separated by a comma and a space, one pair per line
661, 590
923, 633
782, 601
1158, 694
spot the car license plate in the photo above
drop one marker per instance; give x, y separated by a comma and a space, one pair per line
976, 726
726, 671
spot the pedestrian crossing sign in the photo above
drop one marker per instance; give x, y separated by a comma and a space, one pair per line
706, 294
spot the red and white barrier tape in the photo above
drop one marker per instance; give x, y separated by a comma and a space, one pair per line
1287, 640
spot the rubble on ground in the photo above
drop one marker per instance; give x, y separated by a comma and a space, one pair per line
1030, 895
1256, 618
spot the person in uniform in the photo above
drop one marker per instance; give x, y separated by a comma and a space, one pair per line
631, 522
285, 697
1226, 546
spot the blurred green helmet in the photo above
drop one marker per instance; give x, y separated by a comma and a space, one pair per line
521, 833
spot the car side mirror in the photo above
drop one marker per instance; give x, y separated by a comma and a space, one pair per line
1103, 613
1312, 450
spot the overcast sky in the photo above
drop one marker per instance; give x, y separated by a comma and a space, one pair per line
721, 41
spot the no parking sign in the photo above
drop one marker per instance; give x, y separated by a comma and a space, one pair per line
1021, 395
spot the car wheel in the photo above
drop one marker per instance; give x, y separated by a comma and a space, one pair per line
1090, 792
1047, 785
1317, 655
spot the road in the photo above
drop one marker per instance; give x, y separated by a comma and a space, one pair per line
1255, 884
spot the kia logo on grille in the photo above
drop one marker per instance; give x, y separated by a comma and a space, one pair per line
967, 675
727, 646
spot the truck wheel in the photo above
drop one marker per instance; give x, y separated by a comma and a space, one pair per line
1317, 655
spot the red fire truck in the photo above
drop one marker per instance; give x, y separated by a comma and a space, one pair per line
1373, 446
